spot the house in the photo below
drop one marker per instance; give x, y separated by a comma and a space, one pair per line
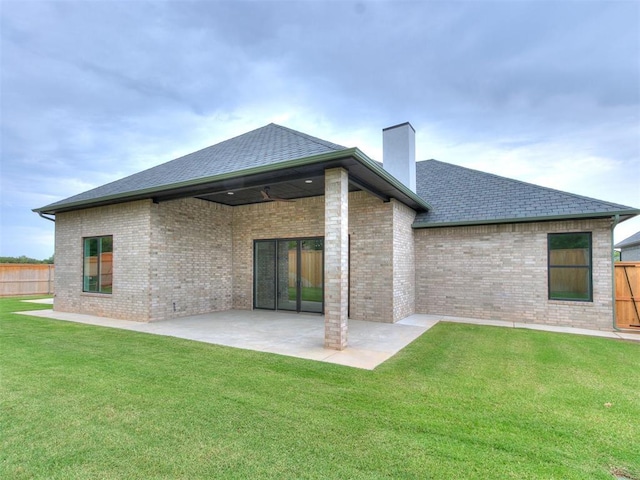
630, 248
278, 219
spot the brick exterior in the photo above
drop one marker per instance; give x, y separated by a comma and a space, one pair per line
370, 231
199, 255
191, 262
130, 225
371, 239
163, 254
500, 272
336, 258
404, 262
302, 218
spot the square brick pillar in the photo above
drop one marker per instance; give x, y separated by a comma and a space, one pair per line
336, 257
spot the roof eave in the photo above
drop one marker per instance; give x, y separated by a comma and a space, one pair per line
149, 193
623, 216
627, 245
377, 169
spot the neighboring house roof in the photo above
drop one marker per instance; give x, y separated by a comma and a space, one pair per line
462, 196
631, 241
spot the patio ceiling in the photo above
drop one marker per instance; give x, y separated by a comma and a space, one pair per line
291, 183
290, 179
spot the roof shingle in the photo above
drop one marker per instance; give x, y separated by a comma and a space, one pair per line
461, 195
264, 146
630, 241
457, 195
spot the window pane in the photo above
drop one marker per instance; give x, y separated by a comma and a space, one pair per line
569, 256
287, 275
98, 265
106, 244
311, 275
90, 275
106, 264
569, 283
570, 266
265, 274
559, 241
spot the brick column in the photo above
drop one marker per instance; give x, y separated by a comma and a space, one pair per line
336, 257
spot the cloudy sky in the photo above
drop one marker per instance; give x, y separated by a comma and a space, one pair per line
546, 92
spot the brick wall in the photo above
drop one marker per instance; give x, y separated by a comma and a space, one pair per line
336, 259
500, 272
130, 225
191, 269
404, 262
302, 218
371, 240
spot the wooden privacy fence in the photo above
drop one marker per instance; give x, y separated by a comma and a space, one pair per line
26, 279
627, 294
311, 268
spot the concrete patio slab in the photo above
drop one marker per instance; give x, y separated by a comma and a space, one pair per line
284, 333
302, 335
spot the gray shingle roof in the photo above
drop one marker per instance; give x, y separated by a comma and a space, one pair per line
630, 241
456, 194
264, 146
461, 195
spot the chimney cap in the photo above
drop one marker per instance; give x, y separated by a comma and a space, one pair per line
400, 125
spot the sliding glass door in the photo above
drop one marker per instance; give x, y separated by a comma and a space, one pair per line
289, 274
264, 271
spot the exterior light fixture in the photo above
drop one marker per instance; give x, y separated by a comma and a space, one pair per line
308, 181
229, 193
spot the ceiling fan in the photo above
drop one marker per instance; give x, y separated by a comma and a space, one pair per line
270, 198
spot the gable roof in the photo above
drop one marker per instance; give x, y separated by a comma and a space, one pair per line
462, 196
631, 241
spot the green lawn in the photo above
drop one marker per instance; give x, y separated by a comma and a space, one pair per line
310, 294
461, 402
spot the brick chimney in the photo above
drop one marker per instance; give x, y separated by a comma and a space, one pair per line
399, 153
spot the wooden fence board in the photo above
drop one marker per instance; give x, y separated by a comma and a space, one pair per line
627, 278
26, 279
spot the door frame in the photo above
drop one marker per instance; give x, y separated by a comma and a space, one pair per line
298, 282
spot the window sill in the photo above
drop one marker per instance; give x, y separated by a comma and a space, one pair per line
96, 294
557, 301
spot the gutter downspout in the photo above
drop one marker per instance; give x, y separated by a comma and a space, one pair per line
47, 218
49, 289
614, 222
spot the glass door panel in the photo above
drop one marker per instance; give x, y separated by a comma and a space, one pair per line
311, 275
265, 274
287, 275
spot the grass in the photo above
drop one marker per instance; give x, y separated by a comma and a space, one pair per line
462, 401
310, 294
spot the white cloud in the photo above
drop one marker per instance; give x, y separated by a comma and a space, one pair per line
542, 92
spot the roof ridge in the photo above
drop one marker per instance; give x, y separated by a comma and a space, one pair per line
522, 182
319, 141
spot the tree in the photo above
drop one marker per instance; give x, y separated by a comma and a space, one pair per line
25, 259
